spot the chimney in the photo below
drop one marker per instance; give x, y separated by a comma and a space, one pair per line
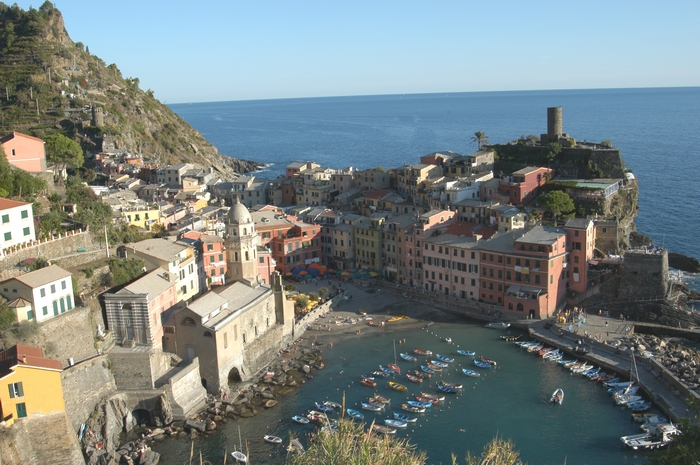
24, 358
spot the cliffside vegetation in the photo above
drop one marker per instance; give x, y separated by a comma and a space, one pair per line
51, 84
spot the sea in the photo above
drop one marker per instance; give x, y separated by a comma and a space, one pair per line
655, 129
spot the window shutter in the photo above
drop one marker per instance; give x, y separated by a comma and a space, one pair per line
20, 390
12, 391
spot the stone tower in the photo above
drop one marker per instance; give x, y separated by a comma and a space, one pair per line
98, 118
555, 123
241, 245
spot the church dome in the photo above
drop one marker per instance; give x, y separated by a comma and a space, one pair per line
239, 214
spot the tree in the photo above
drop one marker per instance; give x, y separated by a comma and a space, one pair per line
302, 301
480, 138
556, 203
63, 151
323, 292
124, 271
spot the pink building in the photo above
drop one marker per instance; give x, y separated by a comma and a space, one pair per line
523, 185
580, 234
25, 152
211, 258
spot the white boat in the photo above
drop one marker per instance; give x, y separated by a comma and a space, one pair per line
239, 457
498, 325
639, 406
448, 340
652, 418
661, 436
394, 423
301, 420
624, 399
557, 397
272, 439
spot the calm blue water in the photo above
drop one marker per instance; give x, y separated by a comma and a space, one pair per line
511, 402
656, 130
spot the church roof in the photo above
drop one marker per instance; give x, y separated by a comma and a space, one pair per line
239, 214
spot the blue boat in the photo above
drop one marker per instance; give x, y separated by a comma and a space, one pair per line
381, 373
408, 358
367, 376
471, 373
417, 403
371, 407
444, 358
466, 352
355, 414
395, 423
323, 407
446, 389
301, 420
404, 417
427, 369
386, 370
481, 364
440, 364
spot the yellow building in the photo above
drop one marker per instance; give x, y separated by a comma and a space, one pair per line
141, 217
30, 385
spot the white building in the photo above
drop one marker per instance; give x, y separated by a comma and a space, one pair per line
16, 223
49, 291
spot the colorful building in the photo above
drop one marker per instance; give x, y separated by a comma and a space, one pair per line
30, 384
49, 291
24, 152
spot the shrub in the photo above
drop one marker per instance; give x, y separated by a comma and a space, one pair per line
323, 292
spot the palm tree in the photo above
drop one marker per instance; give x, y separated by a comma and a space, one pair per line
480, 138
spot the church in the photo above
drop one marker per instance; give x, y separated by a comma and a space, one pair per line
234, 330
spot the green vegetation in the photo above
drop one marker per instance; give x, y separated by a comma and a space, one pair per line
125, 271
323, 292
7, 315
18, 183
34, 264
480, 138
63, 151
556, 203
302, 301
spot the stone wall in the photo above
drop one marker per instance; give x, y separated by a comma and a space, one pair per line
46, 439
262, 350
70, 335
185, 391
84, 386
644, 275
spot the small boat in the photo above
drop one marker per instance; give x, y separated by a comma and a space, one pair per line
394, 423
440, 364
332, 404
557, 397
417, 403
382, 374
429, 400
444, 358
355, 414
471, 373
371, 407
412, 408
368, 383
427, 369
422, 352
639, 406
325, 408
498, 325
301, 420
511, 338
404, 417
378, 398
408, 358
451, 385
367, 376
394, 367
448, 340
316, 417
272, 439
239, 457
434, 367
447, 389
414, 378
652, 418
386, 370
660, 436
488, 360
469, 353
481, 364
624, 399
397, 387
565, 362
436, 397
383, 429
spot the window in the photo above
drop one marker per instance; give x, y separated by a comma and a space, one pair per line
207, 334
5, 218
221, 257
16, 390
8, 236
42, 292
187, 321
225, 340
551, 279
213, 272
53, 288
63, 284
26, 231
210, 246
44, 310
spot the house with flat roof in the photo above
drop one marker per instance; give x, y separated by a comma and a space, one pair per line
49, 291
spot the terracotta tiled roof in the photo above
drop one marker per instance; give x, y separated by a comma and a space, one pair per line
27, 356
376, 194
14, 134
7, 203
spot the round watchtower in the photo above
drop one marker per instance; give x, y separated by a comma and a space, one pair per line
554, 123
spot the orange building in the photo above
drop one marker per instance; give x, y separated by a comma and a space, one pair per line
300, 246
25, 152
212, 255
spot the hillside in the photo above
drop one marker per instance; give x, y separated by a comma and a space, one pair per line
54, 84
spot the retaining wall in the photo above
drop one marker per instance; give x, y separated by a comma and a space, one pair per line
84, 386
185, 391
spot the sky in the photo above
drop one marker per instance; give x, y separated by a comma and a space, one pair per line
225, 50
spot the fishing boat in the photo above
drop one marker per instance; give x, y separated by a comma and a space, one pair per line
332, 404
422, 352
394, 423
382, 374
624, 399
498, 325
481, 364
417, 403
316, 417
444, 358
557, 397
383, 429
413, 378
381, 399
326, 408
434, 367
355, 414
488, 360
368, 383
397, 387
451, 385
447, 389
565, 362
404, 417
661, 436
367, 376
394, 367
386, 370
237, 455
440, 364
511, 338
427, 369
272, 439
426, 399
466, 352
471, 373
436, 397
412, 408
408, 358
301, 420
371, 407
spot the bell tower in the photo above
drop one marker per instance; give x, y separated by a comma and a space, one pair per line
241, 245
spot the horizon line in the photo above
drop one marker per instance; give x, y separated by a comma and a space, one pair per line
431, 93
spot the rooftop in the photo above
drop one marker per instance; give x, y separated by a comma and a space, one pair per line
42, 276
160, 249
27, 356
154, 283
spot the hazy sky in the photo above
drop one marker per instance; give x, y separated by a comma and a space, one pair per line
239, 50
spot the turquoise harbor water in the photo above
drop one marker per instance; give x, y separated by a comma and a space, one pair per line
511, 401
